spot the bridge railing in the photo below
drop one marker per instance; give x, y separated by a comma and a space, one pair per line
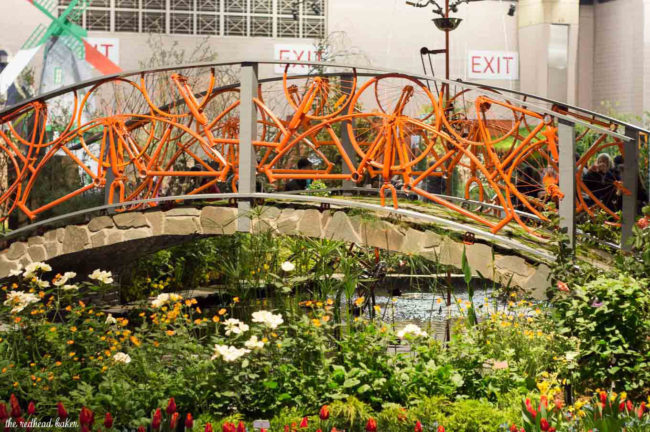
492, 157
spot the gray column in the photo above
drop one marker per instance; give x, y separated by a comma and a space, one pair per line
247, 134
630, 182
567, 165
346, 88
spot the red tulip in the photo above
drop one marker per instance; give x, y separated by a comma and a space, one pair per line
324, 413
513, 428
544, 424
108, 420
3, 413
441, 428
641, 410
643, 223
304, 423
418, 426
334, 430
61, 412
621, 406
173, 421
559, 404
371, 426
156, 420
241, 427
84, 428
15, 406
544, 401
603, 397
31, 409
263, 430
141, 429
551, 429
562, 286
319, 430
86, 416
208, 427
286, 428
171, 406
228, 427
630, 407
189, 421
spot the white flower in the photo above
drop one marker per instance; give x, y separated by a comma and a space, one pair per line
229, 353
19, 300
253, 343
16, 272
164, 298
65, 277
69, 287
121, 357
102, 276
412, 330
235, 326
288, 266
110, 319
267, 318
31, 269
41, 283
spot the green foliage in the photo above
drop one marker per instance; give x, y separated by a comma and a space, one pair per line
611, 319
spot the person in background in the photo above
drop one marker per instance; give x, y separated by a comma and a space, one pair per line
600, 180
300, 184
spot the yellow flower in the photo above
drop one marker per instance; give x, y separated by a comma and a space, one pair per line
76, 377
274, 334
316, 322
265, 340
141, 314
70, 342
68, 308
359, 301
198, 310
377, 309
104, 368
73, 329
235, 300
134, 340
325, 318
197, 321
57, 363
71, 354
330, 301
170, 332
215, 319
438, 300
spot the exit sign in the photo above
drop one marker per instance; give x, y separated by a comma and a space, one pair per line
493, 65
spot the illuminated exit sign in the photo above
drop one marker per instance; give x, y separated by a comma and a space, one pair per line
493, 65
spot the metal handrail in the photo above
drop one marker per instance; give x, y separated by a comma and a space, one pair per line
473, 86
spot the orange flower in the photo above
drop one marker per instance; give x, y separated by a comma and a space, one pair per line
222, 311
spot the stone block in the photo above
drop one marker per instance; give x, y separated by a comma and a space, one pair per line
182, 225
538, 283
52, 249
98, 239
218, 220
136, 233
156, 220
37, 253
420, 242
100, 223
76, 238
512, 270
288, 221
383, 235
16, 250
310, 224
115, 236
55, 235
130, 220
451, 253
37, 240
7, 265
340, 228
480, 260
183, 211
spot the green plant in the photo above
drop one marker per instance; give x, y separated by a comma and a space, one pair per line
611, 318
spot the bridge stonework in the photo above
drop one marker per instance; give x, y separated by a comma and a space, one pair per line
108, 241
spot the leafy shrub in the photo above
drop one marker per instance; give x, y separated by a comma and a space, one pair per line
611, 318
